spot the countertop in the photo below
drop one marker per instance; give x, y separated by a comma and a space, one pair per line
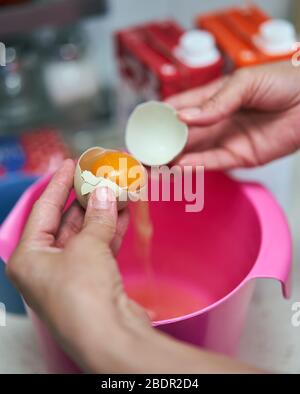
269, 341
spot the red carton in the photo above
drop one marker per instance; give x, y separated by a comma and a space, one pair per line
151, 65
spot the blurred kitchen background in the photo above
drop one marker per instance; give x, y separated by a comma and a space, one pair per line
59, 95
61, 73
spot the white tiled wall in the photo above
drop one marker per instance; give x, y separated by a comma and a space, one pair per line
127, 12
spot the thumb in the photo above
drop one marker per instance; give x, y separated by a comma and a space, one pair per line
101, 215
233, 95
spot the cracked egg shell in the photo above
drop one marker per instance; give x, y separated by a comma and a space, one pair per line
102, 167
154, 134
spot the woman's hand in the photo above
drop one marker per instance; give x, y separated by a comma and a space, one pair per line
66, 270
247, 119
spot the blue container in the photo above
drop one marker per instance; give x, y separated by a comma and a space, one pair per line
11, 189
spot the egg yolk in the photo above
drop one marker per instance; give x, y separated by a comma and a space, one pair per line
119, 167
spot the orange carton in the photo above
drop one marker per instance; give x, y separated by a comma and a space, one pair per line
248, 36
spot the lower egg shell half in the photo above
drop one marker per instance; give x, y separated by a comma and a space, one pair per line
123, 196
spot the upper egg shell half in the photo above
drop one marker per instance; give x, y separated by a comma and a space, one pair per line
154, 134
123, 195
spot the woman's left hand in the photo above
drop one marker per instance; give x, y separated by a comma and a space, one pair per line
65, 268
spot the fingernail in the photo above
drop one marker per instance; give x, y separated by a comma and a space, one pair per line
105, 198
190, 113
184, 161
174, 103
170, 101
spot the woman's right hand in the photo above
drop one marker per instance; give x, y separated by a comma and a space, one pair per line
244, 120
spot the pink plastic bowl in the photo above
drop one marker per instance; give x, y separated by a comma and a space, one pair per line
240, 235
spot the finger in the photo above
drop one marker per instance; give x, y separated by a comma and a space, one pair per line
230, 98
46, 214
201, 138
101, 216
195, 97
122, 227
72, 223
214, 159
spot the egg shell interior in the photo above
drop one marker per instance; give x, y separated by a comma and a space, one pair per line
154, 134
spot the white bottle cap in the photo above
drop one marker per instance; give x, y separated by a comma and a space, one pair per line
197, 48
276, 36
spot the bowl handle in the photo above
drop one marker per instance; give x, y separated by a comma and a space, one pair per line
275, 256
12, 228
